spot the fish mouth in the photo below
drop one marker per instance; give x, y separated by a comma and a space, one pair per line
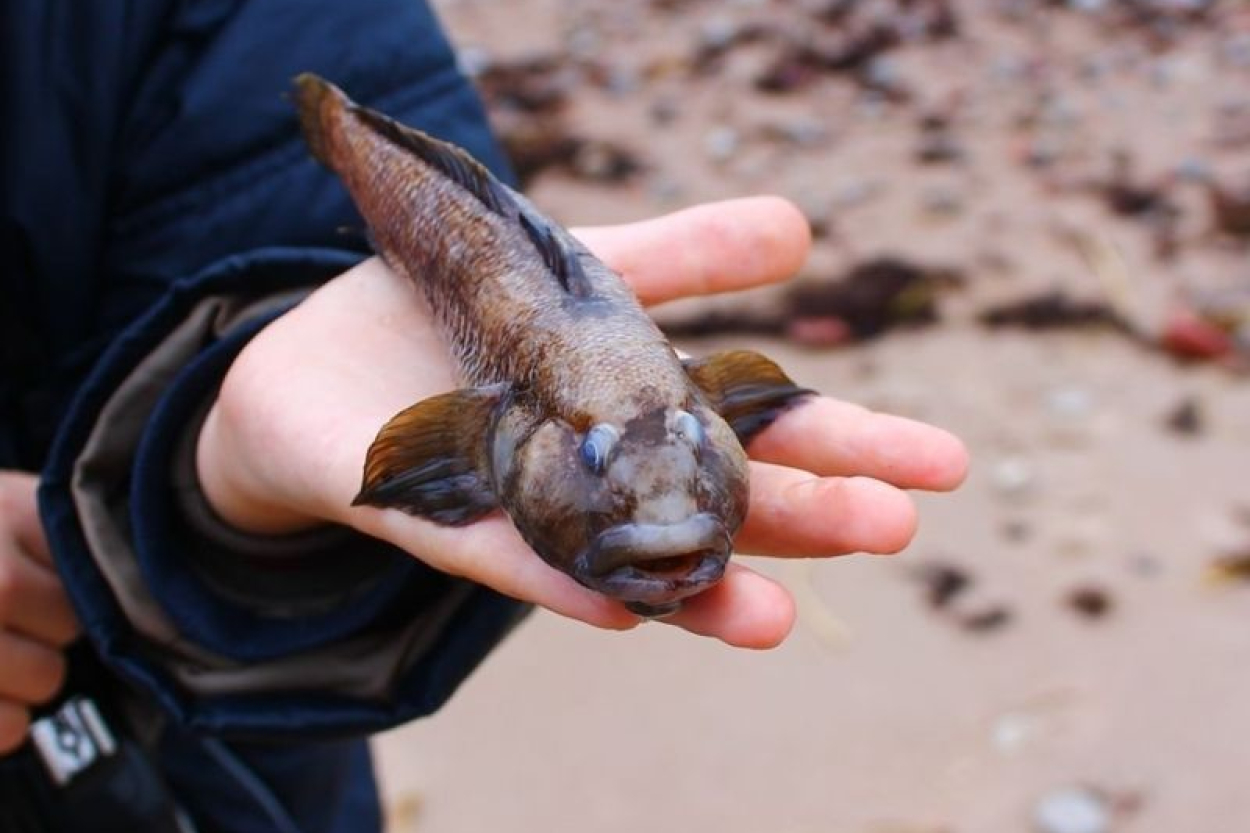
652, 567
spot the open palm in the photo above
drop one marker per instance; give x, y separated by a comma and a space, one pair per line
283, 447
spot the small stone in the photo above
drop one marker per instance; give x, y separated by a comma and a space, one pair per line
1070, 402
1143, 564
1016, 531
1043, 151
584, 42
1069, 411
1013, 476
666, 191
1012, 731
622, 80
1236, 50
721, 143
1090, 602
1230, 568
942, 201
988, 619
604, 162
819, 214
1082, 537
1185, 418
1193, 169
664, 110
939, 147
855, 192
943, 582
718, 32
1219, 531
884, 77
802, 132
1072, 810
473, 60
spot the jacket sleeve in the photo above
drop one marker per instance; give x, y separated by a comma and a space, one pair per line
215, 222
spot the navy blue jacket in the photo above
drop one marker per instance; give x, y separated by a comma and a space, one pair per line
151, 161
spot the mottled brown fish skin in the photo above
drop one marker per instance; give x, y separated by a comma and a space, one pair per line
578, 419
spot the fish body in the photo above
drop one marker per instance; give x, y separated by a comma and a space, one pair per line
619, 463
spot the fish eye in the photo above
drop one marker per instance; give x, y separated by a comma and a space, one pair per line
597, 447
687, 426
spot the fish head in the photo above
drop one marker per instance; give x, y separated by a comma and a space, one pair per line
643, 510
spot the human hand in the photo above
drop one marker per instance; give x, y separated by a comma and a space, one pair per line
284, 444
36, 620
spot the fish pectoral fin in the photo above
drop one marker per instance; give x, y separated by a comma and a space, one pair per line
747, 389
430, 460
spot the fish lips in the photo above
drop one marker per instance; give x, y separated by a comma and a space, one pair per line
652, 567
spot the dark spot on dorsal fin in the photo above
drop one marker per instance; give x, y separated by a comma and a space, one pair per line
561, 258
557, 251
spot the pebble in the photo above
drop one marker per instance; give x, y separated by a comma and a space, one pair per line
623, 80
473, 60
1143, 565
664, 110
583, 42
1044, 150
717, 32
1013, 731
1071, 810
721, 143
1241, 337
1219, 531
666, 191
802, 132
988, 619
1013, 476
1090, 602
1185, 418
1082, 536
1193, 169
1070, 402
856, 192
944, 201
1236, 50
1069, 412
882, 74
1016, 530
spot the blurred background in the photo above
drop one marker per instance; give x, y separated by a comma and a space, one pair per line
1032, 225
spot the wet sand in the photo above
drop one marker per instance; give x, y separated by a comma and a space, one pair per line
884, 713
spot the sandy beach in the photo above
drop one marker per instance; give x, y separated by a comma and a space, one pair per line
1062, 647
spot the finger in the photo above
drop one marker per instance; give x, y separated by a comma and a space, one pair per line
491, 552
14, 721
795, 513
33, 672
718, 247
829, 437
746, 610
19, 508
33, 601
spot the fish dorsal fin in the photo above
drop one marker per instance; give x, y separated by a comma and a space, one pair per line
557, 251
447, 159
560, 257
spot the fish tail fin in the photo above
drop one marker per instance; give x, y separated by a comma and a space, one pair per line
317, 99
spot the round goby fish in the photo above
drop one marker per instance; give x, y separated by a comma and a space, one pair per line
618, 462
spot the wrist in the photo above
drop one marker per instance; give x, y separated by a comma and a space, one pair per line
234, 494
